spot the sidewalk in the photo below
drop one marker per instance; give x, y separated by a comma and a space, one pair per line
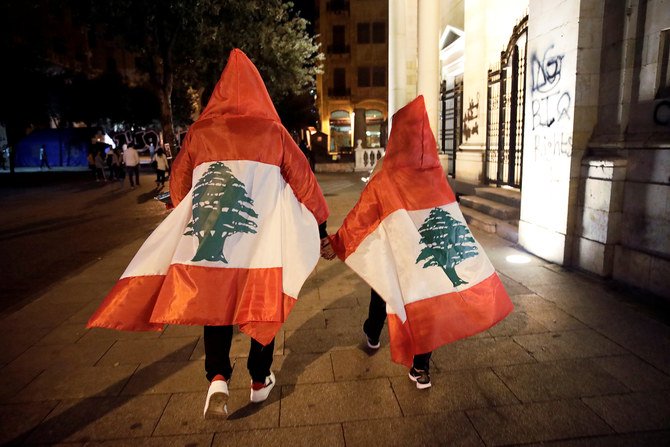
578, 362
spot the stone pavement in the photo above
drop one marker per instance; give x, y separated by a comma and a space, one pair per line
578, 363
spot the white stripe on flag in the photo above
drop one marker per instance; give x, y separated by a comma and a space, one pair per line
386, 259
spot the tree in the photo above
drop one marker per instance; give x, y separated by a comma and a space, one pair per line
447, 242
186, 43
220, 209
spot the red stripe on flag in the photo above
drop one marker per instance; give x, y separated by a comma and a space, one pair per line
436, 321
196, 295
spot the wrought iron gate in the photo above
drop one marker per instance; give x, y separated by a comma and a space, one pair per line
451, 102
505, 112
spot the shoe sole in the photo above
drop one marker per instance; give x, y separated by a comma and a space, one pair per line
218, 406
421, 386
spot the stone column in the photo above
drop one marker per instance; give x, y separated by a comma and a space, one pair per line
359, 126
429, 58
397, 66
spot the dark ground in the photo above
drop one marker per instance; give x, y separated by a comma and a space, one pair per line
52, 224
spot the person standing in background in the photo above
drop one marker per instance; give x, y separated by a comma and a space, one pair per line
132, 161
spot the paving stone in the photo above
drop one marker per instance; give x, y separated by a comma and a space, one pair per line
176, 330
183, 414
480, 353
327, 403
70, 382
452, 429
535, 422
40, 357
633, 412
305, 319
42, 314
204, 440
364, 363
65, 333
533, 275
346, 316
564, 379
96, 334
17, 420
460, 390
13, 379
322, 340
513, 287
571, 294
646, 439
569, 344
636, 374
294, 368
167, 377
85, 313
517, 323
239, 346
100, 418
76, 290
16, 339
320, 435
149, 351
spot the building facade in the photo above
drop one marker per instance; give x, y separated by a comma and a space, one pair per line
352, 91
565, 104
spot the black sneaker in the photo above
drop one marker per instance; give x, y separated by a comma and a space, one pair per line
420, 377
372, 343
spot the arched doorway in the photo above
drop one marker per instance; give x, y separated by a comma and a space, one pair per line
340, 130
374, 119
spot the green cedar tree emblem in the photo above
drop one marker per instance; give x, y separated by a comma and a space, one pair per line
221, 208
447, 243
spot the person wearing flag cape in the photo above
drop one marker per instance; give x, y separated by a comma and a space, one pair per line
247, 229
406, 237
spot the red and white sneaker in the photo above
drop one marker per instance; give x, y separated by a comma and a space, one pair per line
260, 391
216, 404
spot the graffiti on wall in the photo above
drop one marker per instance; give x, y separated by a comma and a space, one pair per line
470, 126
550, 104
140, 138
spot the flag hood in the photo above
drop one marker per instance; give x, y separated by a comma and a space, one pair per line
240, 91
411, 143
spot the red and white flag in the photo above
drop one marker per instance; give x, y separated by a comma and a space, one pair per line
406, 237
243, 237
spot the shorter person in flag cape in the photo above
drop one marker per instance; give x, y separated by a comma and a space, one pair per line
247, 229
407, 238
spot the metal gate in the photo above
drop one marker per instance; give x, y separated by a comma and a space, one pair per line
506, 101
451, 102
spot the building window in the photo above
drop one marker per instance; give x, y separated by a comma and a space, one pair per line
379, 32
363, 33
364, 77
378, 76
340, 130
663, 82
373, 127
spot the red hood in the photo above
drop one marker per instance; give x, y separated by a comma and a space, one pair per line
411, 144
240, 91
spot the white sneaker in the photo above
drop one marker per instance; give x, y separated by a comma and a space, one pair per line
216, 404
262, 394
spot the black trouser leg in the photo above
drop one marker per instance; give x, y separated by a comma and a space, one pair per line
376, 316
421, 361
260, 360
217, 351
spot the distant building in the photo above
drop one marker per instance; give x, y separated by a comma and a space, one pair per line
352, 91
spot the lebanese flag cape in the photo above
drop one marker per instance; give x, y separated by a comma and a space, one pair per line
407, 238
243, 236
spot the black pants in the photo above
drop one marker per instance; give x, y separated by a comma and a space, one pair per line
160, 176
375, 323
217, 354
133, 171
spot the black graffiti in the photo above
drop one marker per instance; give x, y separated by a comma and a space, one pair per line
550, 109
662, 113
545, 73
548, 147
470, 126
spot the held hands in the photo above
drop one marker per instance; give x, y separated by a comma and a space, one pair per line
327, 251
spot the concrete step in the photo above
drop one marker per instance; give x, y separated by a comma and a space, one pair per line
493, 208
478, 219
510, 197
508, 230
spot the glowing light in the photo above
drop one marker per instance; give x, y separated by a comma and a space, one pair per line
518, 259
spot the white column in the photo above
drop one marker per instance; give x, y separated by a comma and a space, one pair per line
397, 65
429, 57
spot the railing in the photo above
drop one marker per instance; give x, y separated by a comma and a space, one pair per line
366, 157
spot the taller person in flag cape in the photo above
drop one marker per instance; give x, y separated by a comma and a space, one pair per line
407, 238
246, 232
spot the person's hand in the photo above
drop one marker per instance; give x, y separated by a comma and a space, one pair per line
327, 251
